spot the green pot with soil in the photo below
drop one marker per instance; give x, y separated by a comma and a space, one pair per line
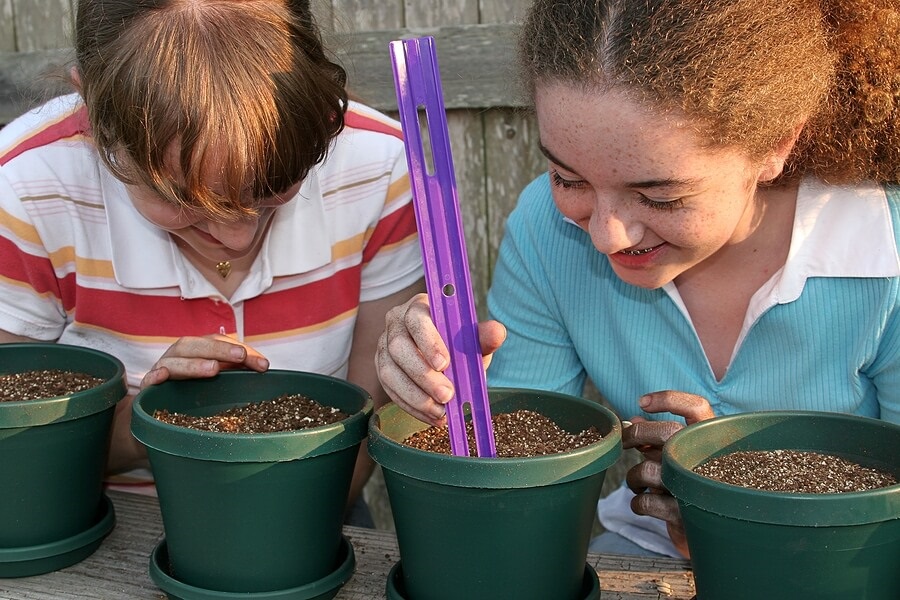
253, 513
56, 408
757, 543
487, 528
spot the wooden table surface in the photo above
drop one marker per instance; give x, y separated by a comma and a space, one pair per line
118, 570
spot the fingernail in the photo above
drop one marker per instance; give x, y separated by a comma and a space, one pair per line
439, 362
626, 424
444, 395
237, 353
263, 363
644, 401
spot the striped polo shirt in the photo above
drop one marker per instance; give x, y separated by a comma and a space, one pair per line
79, 265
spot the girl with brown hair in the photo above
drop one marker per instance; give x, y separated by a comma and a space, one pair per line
209, 199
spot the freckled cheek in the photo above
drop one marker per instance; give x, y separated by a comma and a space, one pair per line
573, 208
703, 234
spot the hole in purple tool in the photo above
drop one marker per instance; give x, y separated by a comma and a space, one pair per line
422, 118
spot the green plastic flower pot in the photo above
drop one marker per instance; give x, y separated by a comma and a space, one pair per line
54, 456
251, 513
748, 543
487, 528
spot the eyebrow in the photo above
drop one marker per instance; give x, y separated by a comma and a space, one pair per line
646, 184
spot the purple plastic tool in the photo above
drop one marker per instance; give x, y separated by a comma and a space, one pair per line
436, 204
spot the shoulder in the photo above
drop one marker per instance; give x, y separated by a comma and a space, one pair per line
360, 118
369, 145
49, 149
61, 119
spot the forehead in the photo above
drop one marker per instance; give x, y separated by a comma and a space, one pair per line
590, 126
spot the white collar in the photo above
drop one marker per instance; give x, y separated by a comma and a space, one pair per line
839, 231
145, 257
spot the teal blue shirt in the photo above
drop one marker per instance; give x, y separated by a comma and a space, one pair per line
822, 334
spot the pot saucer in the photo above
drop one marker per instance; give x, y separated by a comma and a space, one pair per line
26, 561
590, 587
322, 589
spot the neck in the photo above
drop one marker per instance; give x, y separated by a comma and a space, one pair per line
212, 270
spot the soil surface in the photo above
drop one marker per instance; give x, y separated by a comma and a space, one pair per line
794, 471
517, 434
44, 383
288, 412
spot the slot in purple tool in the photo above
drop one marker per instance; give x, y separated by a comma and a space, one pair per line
436, 204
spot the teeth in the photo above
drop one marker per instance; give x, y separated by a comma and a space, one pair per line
637, 252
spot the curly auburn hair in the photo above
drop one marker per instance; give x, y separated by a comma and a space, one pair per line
246, 83
748, 72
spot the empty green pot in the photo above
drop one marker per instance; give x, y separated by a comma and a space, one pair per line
251, 512
488, 528
54, 455
748, 543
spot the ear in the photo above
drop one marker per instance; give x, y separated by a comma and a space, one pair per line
773, 164
75, 78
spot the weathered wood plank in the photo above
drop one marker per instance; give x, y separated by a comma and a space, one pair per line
7, 27
367, 15
441, 12
476, 63
505, 11
466, 131
42, 24
476, 67
511, 151
25, 81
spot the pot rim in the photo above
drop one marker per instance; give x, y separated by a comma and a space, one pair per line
500, 473
683, 452
252, 447
44, 411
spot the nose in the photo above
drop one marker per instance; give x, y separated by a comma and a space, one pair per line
610, 225
237, 235
608, 232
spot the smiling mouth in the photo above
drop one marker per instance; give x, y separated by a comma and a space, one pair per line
638, 252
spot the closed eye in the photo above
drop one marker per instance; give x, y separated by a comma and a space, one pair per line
658, 204
568, 184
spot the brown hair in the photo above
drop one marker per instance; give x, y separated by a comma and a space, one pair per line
747, 71
246, 78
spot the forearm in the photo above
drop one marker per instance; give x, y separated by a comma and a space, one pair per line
125, 452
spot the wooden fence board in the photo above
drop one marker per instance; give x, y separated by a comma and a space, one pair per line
7, 27
476, 67
42, 24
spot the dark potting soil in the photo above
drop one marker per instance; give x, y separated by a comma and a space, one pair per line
794, 471
44, 383
288, 412
517, 434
